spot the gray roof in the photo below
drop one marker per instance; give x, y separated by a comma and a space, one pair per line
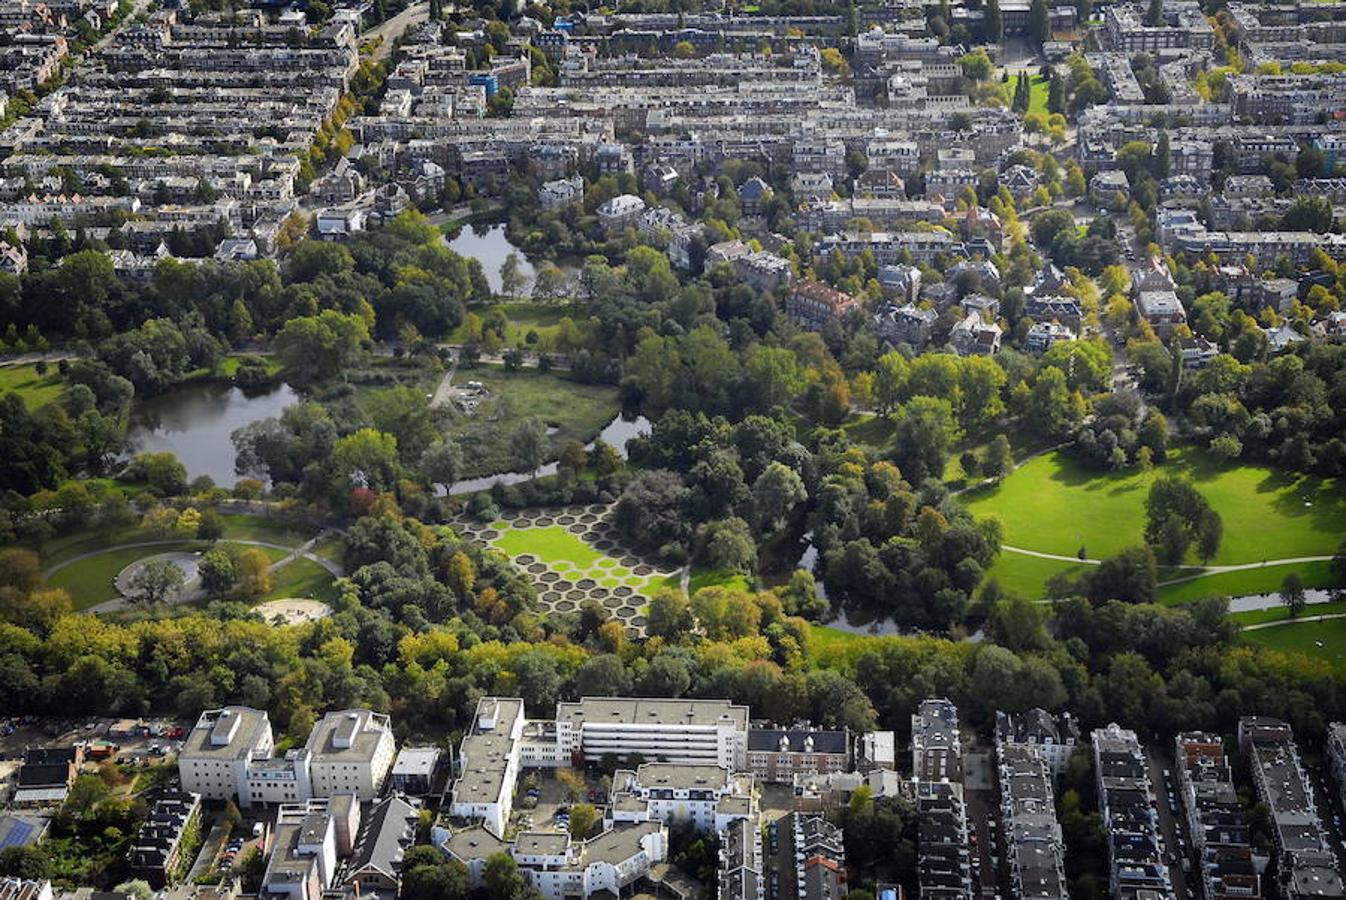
229, 733
384, 836
770, 739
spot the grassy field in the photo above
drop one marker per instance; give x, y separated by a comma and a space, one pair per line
89, 581
1320, 640
574, 410
36, 390
302, 578
704, 578
826, 641
1053, 505
1280, 613
563, 552
523, 316
236, 528
1251, 581
1026, 576
1037, 92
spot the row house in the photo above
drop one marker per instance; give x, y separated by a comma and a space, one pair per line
1306, 863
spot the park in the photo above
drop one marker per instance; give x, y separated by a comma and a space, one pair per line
97, 568
575, 555
1060, 517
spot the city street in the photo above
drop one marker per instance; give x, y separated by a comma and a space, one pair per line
1176, 847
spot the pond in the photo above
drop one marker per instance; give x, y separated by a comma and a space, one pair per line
617, 433
490, 246
195, 422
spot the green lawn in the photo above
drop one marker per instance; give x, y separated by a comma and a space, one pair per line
578, 411
523, 316
236, 528
575, 559
89, 581
1305, 637
871, 431
1026, 576
1280, 613
549, 544
1054, 505
302, 578
825, 640
1037, 92
36, 390
704, 578
1251, 581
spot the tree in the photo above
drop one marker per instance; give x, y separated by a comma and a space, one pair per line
25, 861
999, 459
584, 820
441, 463
977, 66
775, 495
1292, 594
670, 615
1154, 14
1162, 163
217, 572
512, 277
137, 888
924, 433
253, 569
313, 347
403, 413
1039, 21
994, 22
503, 879
461, 575
1131, 576
156, 580
1308, 214
727, 544
528, 445
1176, 516
366, 459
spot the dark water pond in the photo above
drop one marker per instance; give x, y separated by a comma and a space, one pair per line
194, 422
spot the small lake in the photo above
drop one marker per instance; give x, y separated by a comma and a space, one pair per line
490, 246
617, 433
195, 422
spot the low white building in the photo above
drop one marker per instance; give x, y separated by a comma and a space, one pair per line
709, 797
688, 732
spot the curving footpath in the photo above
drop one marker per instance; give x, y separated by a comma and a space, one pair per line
304, 550
1299, 621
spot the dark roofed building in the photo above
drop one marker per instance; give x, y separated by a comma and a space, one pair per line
778, 754
385, 835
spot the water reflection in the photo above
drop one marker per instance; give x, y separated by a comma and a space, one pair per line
617, 433
195, 422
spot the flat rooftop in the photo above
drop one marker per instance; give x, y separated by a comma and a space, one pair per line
631, 711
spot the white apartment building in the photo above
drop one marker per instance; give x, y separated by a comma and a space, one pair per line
561, 868
710, 797
350, 752
686, 732
228, 754
218, 751
304, 861
488, 758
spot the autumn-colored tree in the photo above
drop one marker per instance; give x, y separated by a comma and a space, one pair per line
253, 569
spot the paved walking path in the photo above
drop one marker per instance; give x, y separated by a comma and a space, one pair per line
1279, 622
292, 553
